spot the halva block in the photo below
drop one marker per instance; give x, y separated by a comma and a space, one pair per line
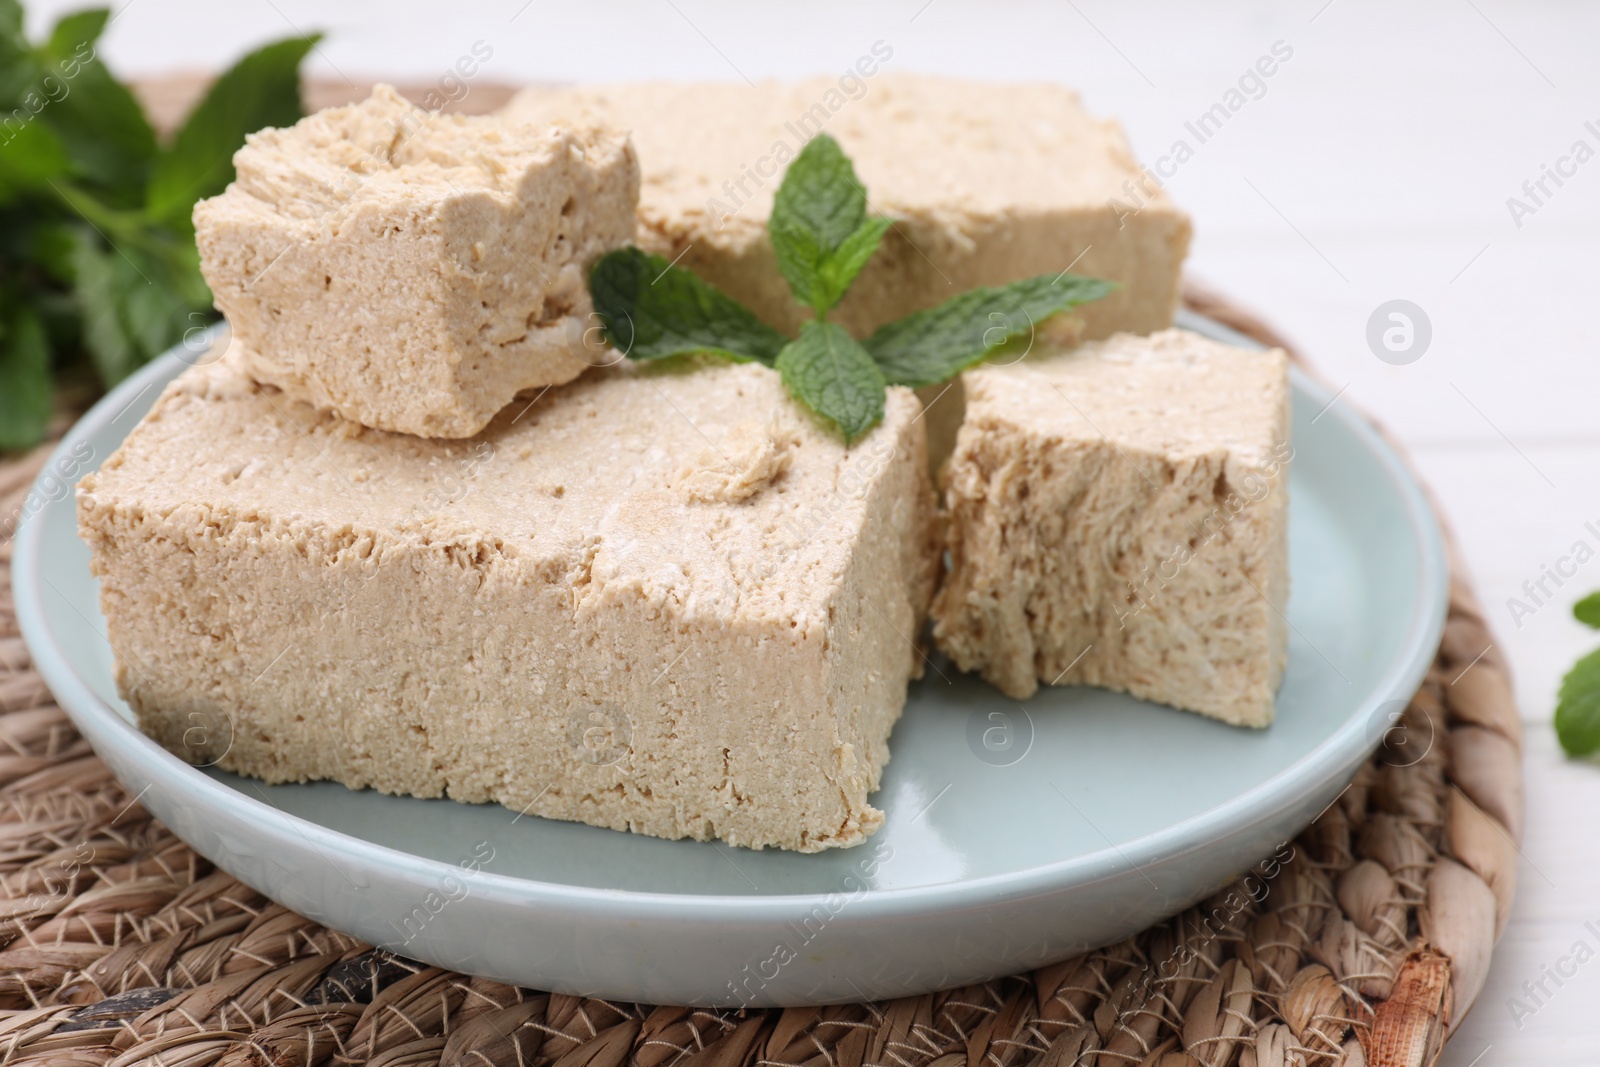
661, 600
1118, 517
413, 271
986, 183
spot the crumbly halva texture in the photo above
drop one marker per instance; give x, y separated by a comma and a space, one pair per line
655, 600
986, 183
1118, 516
413, 271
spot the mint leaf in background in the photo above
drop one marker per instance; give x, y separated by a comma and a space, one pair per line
136, 299
76, 32
24, 380
102, 281
829, 372
32, 237
11, 25
103, 264
927, 347
18, 68
262, 89
653, 310
30, 159
98, 120
1578, 712
1587, 610
819, 225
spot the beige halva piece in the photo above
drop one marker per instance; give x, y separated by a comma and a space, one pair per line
1118, 516
414, 271
986, 184
654, 600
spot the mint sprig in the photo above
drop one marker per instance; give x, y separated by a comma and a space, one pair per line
98, 269
822, 238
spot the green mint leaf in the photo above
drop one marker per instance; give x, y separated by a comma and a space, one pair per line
135, 298
19, 68
928, 347
839, 269
1578, 712
819, 226
24, 380
31, 157
101, 284
262, 89
798, 254
76, 31
829, 372
98, 120
46, 243
1587, 610
11, 23
653, 310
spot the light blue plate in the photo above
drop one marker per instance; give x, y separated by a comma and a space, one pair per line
1069, 822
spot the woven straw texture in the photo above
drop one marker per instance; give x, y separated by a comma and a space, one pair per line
120, 946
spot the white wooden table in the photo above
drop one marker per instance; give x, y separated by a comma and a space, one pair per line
1374, 164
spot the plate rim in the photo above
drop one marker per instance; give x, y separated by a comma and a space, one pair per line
1345, 748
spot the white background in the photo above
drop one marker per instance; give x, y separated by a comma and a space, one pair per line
1376, 166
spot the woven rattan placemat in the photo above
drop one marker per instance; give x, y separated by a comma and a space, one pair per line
119, 945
